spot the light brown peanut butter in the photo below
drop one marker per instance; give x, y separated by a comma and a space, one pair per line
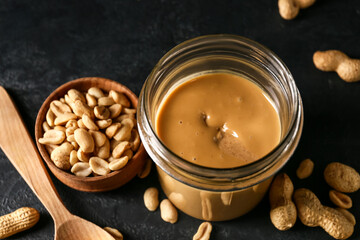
218, 120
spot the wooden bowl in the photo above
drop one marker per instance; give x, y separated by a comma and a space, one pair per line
98, 183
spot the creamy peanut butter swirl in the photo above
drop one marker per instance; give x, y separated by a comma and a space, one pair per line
218, 120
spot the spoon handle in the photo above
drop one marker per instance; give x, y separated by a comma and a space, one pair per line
18, 146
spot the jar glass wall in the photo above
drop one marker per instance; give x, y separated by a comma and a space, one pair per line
215, 194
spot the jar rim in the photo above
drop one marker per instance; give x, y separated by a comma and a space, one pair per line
243, 170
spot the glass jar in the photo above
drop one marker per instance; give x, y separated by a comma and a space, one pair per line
214, 194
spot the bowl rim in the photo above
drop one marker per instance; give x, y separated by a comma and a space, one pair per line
55, 96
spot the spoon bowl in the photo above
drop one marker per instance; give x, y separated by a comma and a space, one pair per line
77, 228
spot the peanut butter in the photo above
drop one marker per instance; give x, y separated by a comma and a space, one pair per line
218, 120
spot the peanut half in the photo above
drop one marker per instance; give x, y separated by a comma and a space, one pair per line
52, 136
81, 169
312, 213
119, 163
85, 140
203, 232
340, 199
151, 198
94, 124
61, 156
18, 221
99, 166
283, 211
168, 211
305, 169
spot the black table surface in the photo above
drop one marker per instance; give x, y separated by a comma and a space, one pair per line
44, 44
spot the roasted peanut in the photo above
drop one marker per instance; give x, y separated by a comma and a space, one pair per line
203, 232
52, 137
61, 156
342, 177
124, 133
168, 212
333, 60
99, 166
89, 123
289, 9
340, 199
81, 169
151, 198
120, 98
103, 151
114, 232
76, 95
75, 145
81, 124
71, 138
59, 108
60, 128
68, 101
70, 131
124, 116
120, 148
85, 140
99, 138
283, 210
96, 92
84, 157
73, 157
80, 108
18, 221
115, 110
104, 123
50, 118
71, 124
128, 153
112, 129
64, 118
305, 169
105, 101
101, 112
129, 110
119, 163
91, 100
312, 213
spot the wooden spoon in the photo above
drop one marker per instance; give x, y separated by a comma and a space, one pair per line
18, 146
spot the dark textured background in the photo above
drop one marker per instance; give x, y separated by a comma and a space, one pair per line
46, 43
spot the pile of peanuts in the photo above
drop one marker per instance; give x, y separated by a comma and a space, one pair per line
91, 133
287, 205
